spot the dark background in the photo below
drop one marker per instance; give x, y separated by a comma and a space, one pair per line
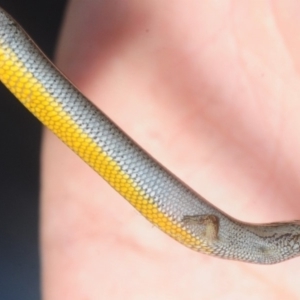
20, 135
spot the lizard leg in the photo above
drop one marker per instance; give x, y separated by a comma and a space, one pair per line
206, 226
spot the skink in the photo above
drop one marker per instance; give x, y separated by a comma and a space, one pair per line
156, 193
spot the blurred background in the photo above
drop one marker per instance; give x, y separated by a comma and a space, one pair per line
20, 136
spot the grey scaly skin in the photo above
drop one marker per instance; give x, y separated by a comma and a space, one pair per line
148, 186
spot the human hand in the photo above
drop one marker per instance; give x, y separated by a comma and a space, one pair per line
211, 90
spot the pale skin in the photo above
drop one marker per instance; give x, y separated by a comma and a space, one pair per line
212, 90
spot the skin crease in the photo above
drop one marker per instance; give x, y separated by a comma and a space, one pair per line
211, 89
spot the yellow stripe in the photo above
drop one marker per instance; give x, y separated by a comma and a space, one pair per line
35, 97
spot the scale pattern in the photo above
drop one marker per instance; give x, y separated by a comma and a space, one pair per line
150, 188
87, 131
